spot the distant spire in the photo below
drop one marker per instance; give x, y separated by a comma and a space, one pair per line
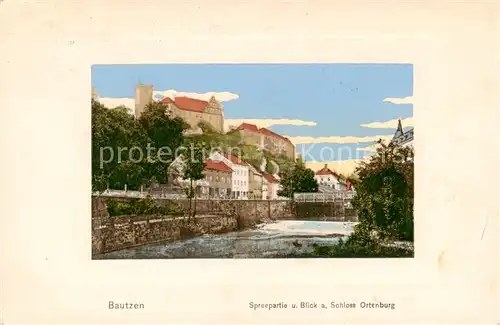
400, 127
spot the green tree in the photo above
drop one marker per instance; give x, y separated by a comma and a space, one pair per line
194, 166
384, 199
165, 135
298, 180
114, 133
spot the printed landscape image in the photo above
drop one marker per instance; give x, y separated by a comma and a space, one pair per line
252, 161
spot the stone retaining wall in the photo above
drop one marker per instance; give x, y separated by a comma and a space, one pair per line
213, 216
124, 232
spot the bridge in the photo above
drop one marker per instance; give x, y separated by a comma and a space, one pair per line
330, 196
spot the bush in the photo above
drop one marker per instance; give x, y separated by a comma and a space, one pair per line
357, 246
384, 199
384, 205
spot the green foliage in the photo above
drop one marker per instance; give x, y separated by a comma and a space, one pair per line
285, 164
116, 128
300, 179
193, 170
384, 204
194, 162
384, 199
165, 135
360, 247
140, 207
215, 141
251, 155
207, 128
113, 129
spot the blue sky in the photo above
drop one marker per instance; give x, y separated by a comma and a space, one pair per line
339, 98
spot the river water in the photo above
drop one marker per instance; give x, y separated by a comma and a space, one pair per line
265, 241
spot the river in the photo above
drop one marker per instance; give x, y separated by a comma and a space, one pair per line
264, 241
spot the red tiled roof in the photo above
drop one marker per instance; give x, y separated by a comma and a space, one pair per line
255, 170
254, 128
248, 127
325, 171
234, 159
274, 134
217, 165
166, 100
270, 178
186, 103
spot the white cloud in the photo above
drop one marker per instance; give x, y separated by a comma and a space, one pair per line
399, 101
338, 139
113, 102
265, 123
345, 167
222, 96
110, 102
392, 124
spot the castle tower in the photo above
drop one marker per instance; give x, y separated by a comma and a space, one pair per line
143, 96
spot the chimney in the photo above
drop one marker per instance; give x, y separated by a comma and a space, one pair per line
326, 166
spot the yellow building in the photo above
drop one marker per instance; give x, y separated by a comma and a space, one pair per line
193, 111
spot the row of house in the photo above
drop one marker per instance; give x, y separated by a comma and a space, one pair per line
228, 177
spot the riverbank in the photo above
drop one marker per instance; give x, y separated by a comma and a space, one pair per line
355, 249
112, 234
270, 239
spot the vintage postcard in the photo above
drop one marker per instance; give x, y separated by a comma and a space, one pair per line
265, 160
249, 162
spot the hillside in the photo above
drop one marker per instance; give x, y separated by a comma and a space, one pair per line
232, 143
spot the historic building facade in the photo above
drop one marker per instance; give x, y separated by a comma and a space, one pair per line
195, 111
219, 177
272, 186
256, 187
327, 177
191, 110
240, 175
266, 139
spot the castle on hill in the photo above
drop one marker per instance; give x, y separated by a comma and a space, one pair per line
265, 139
194, 111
